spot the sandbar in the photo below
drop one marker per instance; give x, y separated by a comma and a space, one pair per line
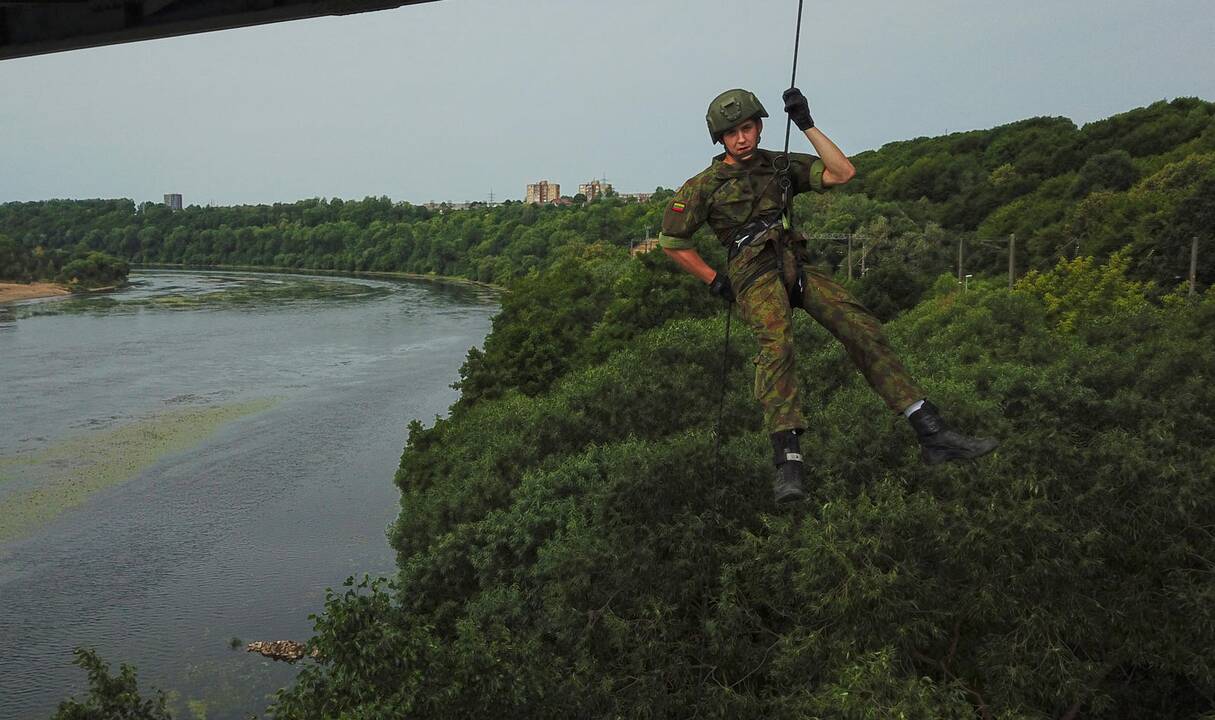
12, 292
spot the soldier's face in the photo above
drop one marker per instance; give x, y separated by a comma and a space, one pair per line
741, 140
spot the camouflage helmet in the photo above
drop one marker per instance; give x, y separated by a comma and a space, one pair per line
731, 108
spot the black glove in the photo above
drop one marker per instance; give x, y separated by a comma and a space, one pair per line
798, 109
721, 287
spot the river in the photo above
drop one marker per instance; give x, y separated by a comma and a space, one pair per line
188, 463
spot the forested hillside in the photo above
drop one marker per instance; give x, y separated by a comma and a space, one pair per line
568, 545
1145, 178
568, 548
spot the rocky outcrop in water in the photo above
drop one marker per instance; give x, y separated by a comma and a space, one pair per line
286, 650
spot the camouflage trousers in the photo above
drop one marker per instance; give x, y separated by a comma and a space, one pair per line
765, 308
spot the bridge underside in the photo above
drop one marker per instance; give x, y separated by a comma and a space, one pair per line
33, 27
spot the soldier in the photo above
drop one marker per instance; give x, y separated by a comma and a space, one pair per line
745, 196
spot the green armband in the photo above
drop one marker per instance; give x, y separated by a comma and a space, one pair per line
667, 242
816, 175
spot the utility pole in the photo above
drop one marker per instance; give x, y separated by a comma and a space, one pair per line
1193, 264
959, 259
849, 256
1012, 251
864, 253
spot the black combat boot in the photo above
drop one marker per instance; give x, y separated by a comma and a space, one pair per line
938, 443
790, 473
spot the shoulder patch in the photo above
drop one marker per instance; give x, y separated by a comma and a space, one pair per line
678, 207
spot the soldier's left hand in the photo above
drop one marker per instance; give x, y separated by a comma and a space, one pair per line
798, 109
721, 287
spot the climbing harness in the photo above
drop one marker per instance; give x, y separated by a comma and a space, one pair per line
755, 232
751, 232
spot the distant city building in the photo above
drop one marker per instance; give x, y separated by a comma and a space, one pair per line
595, 189
643, 246
543, 192
442, 207
173, 201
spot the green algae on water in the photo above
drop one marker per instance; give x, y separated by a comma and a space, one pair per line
64, 475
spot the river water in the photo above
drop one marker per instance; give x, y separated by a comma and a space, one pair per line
188, 463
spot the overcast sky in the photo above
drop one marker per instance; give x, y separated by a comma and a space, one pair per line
453, 99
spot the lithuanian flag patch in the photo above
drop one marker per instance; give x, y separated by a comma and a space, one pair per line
677, 207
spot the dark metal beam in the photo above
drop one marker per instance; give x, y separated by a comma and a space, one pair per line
45, 26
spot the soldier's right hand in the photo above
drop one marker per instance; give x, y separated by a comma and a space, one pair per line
721, 287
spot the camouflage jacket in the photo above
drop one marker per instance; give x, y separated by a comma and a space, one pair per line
727, 196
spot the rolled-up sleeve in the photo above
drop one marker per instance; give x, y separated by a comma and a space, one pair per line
685, 213
808, 173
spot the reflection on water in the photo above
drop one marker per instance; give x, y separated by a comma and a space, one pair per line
235, 533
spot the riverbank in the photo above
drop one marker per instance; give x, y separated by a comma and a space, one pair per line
12, 292
449, 279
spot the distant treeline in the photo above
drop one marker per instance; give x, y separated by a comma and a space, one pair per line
1145, 178
496, 245
77, 267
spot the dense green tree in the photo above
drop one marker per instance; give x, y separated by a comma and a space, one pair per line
15, 260
1113, 170
890, 288
78, 267
94, 269
110, 696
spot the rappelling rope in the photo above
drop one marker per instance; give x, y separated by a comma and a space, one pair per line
721, 401
797, 43
784, 173
725, 353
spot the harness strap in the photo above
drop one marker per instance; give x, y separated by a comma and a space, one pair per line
797, 288
750, 233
